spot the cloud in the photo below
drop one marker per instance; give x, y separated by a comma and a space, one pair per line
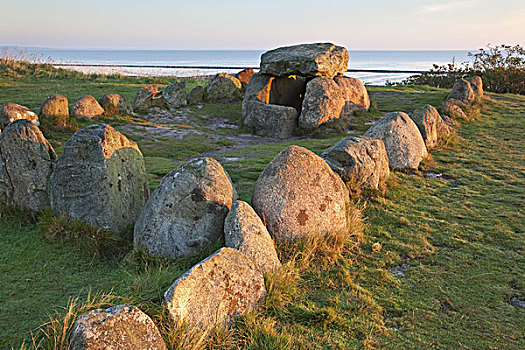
446, 6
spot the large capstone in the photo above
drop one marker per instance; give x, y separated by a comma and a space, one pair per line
87, 107
270, 120
175, 95
115, 104
360, 161
320, 59
245, 231
26, 163
56, 109
12, 111
120, 327
462, 92
223, 286
186, 213
100, 179
148, 97
430, 124
299, 195
403, 141
224, 88
323, 103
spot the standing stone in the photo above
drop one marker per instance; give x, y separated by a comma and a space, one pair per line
462, 92
244, 230
403, 141
430, 124
26, 163
477, 85
299, 195
56, 109
270, 120
120, 327
222, 286
323, 103
115, 104
259, 88
175, 95
11, 112
224, 88
186, 213
148, 97
244, 76
100, 179
354, 93
360, 161
320, 59
452, 110
196, 95
87, 107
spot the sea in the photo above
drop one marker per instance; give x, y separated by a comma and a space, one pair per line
132, 62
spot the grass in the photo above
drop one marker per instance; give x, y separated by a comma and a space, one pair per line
431, 263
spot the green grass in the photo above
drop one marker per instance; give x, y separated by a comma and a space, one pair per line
458, 241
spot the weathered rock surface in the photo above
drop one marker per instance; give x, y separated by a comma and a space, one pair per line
186, 212
222, 286
448, 121
320, 59
224, 88
55, 108
12, 111
26, 163
477, 85
196, 95
452, 110
323, 102
299, 195
354, 93
175, 95
148, 97
359, 160
259, 88
270, 120
120, 327
404, 144
244, 230
87, 107
244, 76
115, 104
462, 91
100, 179
430, 124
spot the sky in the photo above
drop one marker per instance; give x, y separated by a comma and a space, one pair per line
261, 24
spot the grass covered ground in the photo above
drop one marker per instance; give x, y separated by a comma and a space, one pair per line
430, 264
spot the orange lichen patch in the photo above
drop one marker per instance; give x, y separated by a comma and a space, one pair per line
302, 217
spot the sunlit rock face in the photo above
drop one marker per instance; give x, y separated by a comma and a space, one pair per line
12, 111
430, 124
115, 104
87, 108
56, 109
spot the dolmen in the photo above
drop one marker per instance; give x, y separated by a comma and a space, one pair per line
302, 86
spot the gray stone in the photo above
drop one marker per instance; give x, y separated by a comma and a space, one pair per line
270, 120
224, 88
430, 124
244, 230
462, 91
222, 286
100, 179
186, 213
11, 112
56, 109
115, 104
299, 195
323, 103
26, 163
196, 95
449, 121
148, 97
354, 93
175, 95
477, 85
120, 327
360, 161
452, 110
259, 88
320, 59
87, 107
403, 141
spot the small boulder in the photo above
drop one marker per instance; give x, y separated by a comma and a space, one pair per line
477, 85
244, 76
115, 104
354, 93
430, 124
323, 102
299, 195
100, 179
404, 144
120, 327
186, 213
11, 112
196, 95
270, 120
26, 163
56, 109
462, 91
87, 107
452, 110
175, 95
224, 88
222, 286
148, 97
360, 161
311, 60
244, 230
449, 121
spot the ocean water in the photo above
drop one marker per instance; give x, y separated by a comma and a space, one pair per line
390, 60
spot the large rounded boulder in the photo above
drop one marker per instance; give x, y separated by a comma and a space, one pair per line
26, 163
175, 95
12, 111
462, 92
430, 124
148, 97
299, 195
477, 85
186, 213
100, 179
87, 108
404, 144
115, 104
323, 102
56, 109
354, 93
224, 88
